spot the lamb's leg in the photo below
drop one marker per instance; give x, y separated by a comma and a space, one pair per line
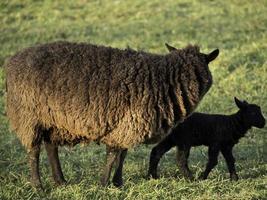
117, 178
52, 154
112, 156
182, 160
213, 160
157, 152
230, 160
34, 154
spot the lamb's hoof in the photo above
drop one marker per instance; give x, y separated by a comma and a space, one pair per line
202, 177
152, 176
189, 178
118, 183
234, 177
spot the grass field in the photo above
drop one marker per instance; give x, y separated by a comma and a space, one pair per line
237, 27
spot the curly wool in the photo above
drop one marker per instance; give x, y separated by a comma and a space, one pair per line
83, 92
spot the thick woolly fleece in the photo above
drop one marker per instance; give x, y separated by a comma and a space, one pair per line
83, 92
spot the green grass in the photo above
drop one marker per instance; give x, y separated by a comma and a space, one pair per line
238, 28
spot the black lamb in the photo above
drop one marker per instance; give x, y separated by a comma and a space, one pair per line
218, 132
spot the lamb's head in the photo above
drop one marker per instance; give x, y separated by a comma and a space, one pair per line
251, 114
197, 65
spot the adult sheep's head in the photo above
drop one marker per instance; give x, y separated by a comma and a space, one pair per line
192, 57
194, 74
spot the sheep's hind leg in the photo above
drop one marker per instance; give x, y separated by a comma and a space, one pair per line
112, 155
117, 178
52, 154
34, 154
182, 155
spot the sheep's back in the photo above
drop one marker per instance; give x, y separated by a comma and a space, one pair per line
119, 97
90, 91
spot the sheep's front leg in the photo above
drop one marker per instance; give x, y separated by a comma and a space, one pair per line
213, 160
52, 154
112, 155
230, 160
33, 155
157, 152
117, 178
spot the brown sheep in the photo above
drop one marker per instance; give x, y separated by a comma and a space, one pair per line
67, 93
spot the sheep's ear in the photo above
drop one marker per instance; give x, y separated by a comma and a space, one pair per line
240, 104
170, 48
211, 56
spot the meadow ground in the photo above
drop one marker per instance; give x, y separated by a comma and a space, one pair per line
238, 28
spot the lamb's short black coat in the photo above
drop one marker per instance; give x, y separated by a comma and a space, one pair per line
218, 132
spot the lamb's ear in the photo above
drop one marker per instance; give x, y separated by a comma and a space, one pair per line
211, 56
240, 104
170, 48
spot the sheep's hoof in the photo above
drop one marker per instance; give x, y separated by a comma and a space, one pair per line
61, 183
37, 187
188, 175
104, 182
